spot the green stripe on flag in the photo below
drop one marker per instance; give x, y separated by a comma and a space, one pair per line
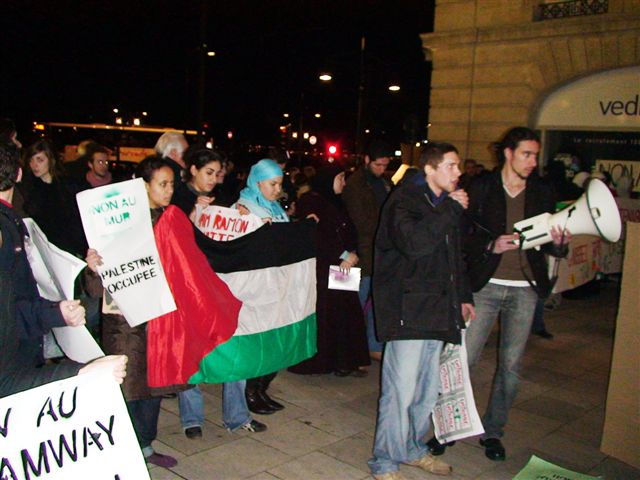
249, 356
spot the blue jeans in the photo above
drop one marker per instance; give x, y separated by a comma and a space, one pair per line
191, 408
364, 293
235, 412
515, 306
409, 390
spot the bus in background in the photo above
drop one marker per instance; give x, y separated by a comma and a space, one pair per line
126, 143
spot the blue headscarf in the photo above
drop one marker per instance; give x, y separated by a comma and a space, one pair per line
252, 198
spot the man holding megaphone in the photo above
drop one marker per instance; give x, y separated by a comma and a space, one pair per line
506, 280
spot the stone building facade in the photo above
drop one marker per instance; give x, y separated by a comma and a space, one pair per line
495, 61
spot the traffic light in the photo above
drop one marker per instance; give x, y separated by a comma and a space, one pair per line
333, 151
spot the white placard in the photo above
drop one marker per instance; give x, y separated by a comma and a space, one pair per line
117, 223
339, 280
55, 272
455, 415
54, 269
73, 428
223, 224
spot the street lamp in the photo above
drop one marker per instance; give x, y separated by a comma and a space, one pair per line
394, 88
325, 77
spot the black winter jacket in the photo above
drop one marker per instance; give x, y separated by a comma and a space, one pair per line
419, 282
24, 315
486, 220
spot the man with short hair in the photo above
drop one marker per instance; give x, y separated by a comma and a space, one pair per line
171, 146
421, 300
364, 194
468, 174
98, 162
506, 281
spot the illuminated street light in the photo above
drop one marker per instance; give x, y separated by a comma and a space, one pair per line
394, 88
294, 135
115, 110
325, 77
313, 140
144, 114
136, 122
317, 115
211, 53
285, 115
118, 120
305, 135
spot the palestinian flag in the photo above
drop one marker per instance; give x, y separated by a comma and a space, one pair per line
272, 271
207, 313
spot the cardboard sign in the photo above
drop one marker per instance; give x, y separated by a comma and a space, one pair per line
223, 224
538, 469
55, 272
73, 428
339, 280
117, 223
455, 415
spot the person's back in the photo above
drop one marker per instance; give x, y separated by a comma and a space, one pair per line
363, 196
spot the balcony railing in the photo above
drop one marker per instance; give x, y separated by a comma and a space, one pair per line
571, 8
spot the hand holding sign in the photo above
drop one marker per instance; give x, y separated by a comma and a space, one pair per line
116, 364
73, 313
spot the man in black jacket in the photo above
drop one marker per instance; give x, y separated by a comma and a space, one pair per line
421, 299
24, 315
506, 280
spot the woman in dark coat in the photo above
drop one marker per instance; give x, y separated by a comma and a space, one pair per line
118, 337
49, 198
342, 339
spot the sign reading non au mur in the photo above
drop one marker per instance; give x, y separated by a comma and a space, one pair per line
76, 428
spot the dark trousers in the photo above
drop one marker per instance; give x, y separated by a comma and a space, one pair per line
144, 416
260, 384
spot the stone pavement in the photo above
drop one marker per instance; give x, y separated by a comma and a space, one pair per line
326, 430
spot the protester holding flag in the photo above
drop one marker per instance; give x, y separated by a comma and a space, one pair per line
200, 178
260, 197
342, 335
118, 337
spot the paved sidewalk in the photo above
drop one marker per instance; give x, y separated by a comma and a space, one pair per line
326, 429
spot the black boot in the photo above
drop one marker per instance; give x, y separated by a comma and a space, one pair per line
256, 403
262, 384
270, 401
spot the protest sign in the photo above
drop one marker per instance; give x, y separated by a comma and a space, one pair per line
73, 428
55, 272
117, 223
339, 280
54, 269
455, 415
223, 224
538, 469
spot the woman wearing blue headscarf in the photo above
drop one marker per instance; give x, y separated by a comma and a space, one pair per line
260, 197
264, 188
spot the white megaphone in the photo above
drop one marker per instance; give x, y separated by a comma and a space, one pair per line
594, 213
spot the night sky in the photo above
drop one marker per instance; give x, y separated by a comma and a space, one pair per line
76, 61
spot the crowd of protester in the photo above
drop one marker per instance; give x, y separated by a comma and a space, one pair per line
345, 204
